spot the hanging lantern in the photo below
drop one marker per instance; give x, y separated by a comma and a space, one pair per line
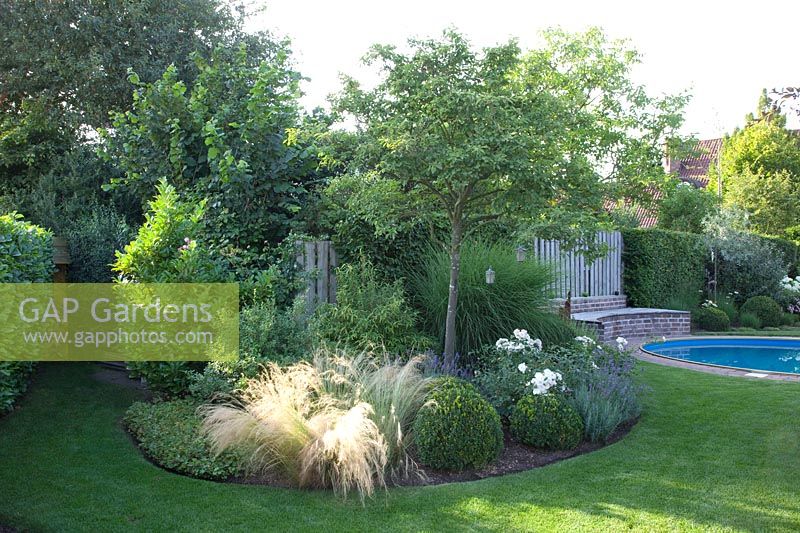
520, 253
490, 276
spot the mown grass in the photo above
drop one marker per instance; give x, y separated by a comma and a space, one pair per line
710, 453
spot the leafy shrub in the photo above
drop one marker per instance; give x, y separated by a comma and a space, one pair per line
766, 309
684, 207
339, 423
93, 243
165, 249
789, 319
660, 264
368, 313
165, 379
517, 299
13, 382
606, 396
504, 376
169, 433
26, 251
457, 428
748, 263
729, 308
711, 319
749, 320
546, 421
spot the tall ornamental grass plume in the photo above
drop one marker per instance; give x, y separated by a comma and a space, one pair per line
486, 312
340, 423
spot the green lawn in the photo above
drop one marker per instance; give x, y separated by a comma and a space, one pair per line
710, 452
785, 331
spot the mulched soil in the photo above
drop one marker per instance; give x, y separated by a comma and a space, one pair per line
516, 457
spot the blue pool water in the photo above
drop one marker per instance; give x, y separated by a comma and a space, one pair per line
770, 355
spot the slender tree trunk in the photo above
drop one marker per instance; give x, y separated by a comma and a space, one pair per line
456, 235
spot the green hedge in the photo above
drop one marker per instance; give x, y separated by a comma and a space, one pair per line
26, 251
790, 251
660, 264
26, 256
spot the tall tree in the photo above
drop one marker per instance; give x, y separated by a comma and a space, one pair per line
760, 169
472, 137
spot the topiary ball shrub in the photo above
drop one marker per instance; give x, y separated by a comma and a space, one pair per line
546, 421
711, 319
749, 320
766, 309
457, 428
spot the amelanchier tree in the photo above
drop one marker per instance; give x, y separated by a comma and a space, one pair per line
542, 138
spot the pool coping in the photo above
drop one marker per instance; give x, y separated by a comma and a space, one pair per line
709, 368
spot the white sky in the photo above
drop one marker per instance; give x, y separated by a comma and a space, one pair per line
722, 52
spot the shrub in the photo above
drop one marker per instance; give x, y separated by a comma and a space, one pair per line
93, 243
729, 308
789, 319
26, 251
339, 423
457, 428
660, 264
749, 320
517, 299
606, 397
748, 263
165, 379
368, 313
711, 319
166, 249
765, 308
169, 433
13, 382
684, 207
546, 421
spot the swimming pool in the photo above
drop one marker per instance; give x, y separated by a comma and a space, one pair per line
758, 354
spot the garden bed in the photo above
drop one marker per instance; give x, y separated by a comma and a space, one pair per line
516, 457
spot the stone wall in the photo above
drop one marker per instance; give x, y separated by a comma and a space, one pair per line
641, 325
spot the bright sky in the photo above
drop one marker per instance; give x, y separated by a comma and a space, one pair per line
722, 52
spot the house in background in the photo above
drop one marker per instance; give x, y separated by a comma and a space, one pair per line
692, 170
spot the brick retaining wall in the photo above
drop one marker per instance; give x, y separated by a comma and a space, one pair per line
641, 325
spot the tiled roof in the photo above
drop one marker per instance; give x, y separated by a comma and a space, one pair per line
694, 170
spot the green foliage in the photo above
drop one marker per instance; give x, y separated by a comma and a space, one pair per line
729, 308
368, 313
230, 140
94, 240
517, 299
13, 382
169, 434
711, 319
685, 207
165, 249
747, 263
457, 429
766, 309
749, 320
75, 55
760, 167
660, 264
165, 379
546, 421
26, 251
266, 334
462, 138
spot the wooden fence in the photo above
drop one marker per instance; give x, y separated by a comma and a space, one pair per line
318, 261
576, 275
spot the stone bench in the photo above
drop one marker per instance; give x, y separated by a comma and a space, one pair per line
635, 323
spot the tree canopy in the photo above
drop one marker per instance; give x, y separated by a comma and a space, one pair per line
469, 138
760, 167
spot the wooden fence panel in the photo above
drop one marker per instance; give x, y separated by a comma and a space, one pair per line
318, 261
576, 275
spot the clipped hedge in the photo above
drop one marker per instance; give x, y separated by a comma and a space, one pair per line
26, 251
711, 319
26, 256
766, 309
457, 428
660, 264
546, 421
